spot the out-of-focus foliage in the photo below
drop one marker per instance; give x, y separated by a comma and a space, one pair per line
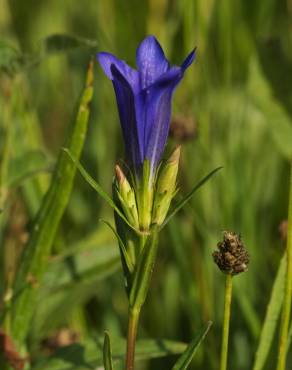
234, 108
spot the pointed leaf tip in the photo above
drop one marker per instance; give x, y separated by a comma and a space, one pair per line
107, 353
185, 359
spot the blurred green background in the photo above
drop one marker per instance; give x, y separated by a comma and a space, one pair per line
233, 109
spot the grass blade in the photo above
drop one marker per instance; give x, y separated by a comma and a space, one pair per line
271, 319
186, 358
35, 258
107, 353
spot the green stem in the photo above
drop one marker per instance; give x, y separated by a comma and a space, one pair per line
282, 352
132, 334
226, 322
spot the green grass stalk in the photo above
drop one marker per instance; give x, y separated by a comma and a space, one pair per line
286, 311
226, 322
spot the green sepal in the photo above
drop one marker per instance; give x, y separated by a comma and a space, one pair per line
165, 189
144, 194
127, 198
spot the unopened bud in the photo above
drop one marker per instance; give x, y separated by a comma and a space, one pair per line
127, 197
166, 187
231, 257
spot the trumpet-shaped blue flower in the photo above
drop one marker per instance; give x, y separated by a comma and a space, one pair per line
144, 100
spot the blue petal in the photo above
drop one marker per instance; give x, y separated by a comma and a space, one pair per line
189, 60
106, 60
157, 114
151, 61
133, 137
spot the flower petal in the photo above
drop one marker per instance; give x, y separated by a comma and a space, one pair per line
189, 60
106, 60
151, 61
157, 115
133, 136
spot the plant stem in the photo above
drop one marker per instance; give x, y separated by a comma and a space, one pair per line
131, 340
226, 322
282, 352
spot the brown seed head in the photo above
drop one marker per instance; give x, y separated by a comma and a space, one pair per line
232, 257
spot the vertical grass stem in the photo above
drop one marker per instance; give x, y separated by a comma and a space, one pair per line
286, 311
226, 322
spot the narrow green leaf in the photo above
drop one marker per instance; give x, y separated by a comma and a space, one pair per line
107, 353
144, 269
36, 253
89, 356
97, 187
126, 255
189, 196
271, 319
184, 361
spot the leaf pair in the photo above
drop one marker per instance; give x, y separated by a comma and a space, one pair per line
181, 364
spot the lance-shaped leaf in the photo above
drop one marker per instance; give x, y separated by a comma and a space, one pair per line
185, 359
34, 261
189, 196
97, 187
107, 353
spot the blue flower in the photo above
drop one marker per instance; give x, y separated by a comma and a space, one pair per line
144, 100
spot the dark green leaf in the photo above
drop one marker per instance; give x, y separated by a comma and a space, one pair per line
186, 358
61, 43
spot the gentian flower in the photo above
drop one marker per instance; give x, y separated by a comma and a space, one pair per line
144, 100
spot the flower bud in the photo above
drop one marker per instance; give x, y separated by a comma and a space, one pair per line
127, 198
166, 187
